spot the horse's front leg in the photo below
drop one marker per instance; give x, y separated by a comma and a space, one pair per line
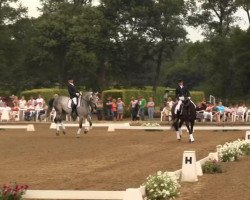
179, 127
89, 119
80, 127
190, 130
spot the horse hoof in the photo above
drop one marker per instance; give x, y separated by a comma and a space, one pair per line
77, 136
191, 141
64, 133
57, 134
85, 132
179, 140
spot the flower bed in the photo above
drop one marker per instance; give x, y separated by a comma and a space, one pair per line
12, 192
161, 186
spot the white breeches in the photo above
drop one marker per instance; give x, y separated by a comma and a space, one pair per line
178, 106
74, 100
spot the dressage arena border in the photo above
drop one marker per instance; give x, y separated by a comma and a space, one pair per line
126, 126
28, 127
131, 193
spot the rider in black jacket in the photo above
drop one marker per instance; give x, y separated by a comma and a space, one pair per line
74, 94
181, 93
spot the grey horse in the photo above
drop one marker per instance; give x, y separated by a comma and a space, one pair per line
87, 102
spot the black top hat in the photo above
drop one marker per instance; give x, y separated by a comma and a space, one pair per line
180, 80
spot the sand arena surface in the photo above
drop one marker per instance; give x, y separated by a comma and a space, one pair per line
102, 160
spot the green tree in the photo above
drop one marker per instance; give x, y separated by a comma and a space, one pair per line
10, 41
217, 16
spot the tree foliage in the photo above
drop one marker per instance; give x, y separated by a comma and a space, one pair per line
124, 43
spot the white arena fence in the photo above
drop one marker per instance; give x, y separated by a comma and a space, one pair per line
129, 194
28, 127
126, 126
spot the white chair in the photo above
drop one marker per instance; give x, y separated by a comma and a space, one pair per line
208, 115
238, 116
247, 115
15, 115
5, 115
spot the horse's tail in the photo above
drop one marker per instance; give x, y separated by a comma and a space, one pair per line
50, 106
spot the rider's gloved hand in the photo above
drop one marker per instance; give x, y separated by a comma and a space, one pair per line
77, 94
181, 98
189, 97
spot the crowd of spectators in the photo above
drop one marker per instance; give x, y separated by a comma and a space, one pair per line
113, 109
22, 109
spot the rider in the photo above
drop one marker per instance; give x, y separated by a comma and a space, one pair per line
74, 95
181, 92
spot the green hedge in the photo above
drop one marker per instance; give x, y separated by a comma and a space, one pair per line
126, 94
47, 93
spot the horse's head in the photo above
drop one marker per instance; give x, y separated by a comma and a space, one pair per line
91, 99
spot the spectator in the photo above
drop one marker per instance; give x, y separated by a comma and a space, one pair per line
170, 102
208, 113
142, 104
22, 103
220, 111
40, 100
15, 101
31, 103
134, 107
241, 110
40, 108
99, 109
109, 108
120, 109
114, 109
228, 112
151, 108
166, 111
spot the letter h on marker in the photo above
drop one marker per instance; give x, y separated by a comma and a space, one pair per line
188, 160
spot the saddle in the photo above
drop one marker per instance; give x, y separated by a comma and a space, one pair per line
70, 103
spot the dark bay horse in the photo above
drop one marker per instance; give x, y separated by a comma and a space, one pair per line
87, 102
187, 115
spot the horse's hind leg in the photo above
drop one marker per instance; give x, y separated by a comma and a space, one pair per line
57, 128
63, 128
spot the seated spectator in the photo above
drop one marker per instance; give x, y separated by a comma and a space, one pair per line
31, 102
200, 108
228, 112
220, 111
166, 112
241, 110
14, 114
15, 101
41, 110
22, 103
40, 99
170, 102
30, 112
208, 113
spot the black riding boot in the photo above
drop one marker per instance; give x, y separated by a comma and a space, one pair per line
74, 112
